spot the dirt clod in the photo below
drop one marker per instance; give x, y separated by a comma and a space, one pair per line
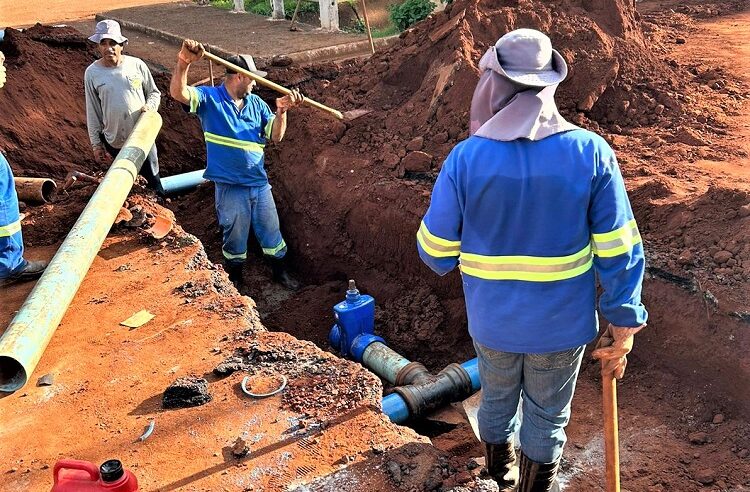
240, 448
186, 392
230, 365
698, 438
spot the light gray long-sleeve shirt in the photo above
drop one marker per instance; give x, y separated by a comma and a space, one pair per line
114, 98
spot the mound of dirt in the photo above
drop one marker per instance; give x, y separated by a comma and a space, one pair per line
421, 87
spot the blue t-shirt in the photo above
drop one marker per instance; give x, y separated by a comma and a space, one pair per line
234, 138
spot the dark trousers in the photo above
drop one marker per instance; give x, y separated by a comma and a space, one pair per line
149, 170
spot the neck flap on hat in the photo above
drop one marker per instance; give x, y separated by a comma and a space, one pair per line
502, 110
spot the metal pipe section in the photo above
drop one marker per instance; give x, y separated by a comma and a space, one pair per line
392, 366
454, 383
35, 190
28, 334
180, 183
383, 361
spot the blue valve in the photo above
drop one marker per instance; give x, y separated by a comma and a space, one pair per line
355, 324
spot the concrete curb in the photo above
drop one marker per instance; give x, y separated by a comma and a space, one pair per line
345, 50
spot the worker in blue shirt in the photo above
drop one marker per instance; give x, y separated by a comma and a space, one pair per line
13, 266
533, 209
236, 125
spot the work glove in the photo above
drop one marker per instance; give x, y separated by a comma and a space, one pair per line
191, 51
100, 154
613, 347
289, 101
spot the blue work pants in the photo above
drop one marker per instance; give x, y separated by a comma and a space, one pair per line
239, 208
11, 242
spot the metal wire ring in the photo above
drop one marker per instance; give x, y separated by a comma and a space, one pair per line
263, 395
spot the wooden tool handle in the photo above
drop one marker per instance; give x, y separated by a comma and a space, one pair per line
272, 85
611, 433
367, 25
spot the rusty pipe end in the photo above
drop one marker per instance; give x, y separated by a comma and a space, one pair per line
49, 190
39, 190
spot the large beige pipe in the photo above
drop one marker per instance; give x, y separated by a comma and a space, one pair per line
23, 343
35, 190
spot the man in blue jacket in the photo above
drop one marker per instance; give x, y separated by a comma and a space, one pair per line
13, 266
236, 125
532, 209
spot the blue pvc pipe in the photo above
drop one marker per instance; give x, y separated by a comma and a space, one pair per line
395, 407
472, 368
182, 182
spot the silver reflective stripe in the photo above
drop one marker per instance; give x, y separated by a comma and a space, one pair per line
10, 229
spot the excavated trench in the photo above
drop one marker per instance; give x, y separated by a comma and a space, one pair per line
350, 197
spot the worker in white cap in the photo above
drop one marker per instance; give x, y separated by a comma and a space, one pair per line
118, 89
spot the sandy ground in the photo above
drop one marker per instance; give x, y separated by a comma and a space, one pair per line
109, 380
20, 14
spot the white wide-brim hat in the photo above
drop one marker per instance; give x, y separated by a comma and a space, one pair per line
108, 29
526, 57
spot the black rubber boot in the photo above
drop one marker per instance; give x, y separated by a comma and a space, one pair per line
281, 273
501, 460
537, 477
234, 270
31, 271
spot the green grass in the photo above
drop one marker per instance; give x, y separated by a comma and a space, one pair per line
263, 7
377, 32
225, 4
384, 32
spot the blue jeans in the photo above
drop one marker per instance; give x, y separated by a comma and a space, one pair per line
547, 383
241, 207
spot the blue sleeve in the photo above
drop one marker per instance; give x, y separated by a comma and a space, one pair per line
618, 250
439, 235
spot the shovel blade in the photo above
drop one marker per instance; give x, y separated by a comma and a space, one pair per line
355, 113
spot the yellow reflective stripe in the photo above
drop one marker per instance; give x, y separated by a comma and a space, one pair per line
527, 268
273, 251
438, 240
231, 142
433, 249
529, 260
435, 246
193, 99
527, 276
616, 242
616, 234
230, 256
10, 229
269, 127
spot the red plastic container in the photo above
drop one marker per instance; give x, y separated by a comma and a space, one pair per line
84, 476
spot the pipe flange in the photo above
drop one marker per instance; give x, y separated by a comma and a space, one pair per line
411, 373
